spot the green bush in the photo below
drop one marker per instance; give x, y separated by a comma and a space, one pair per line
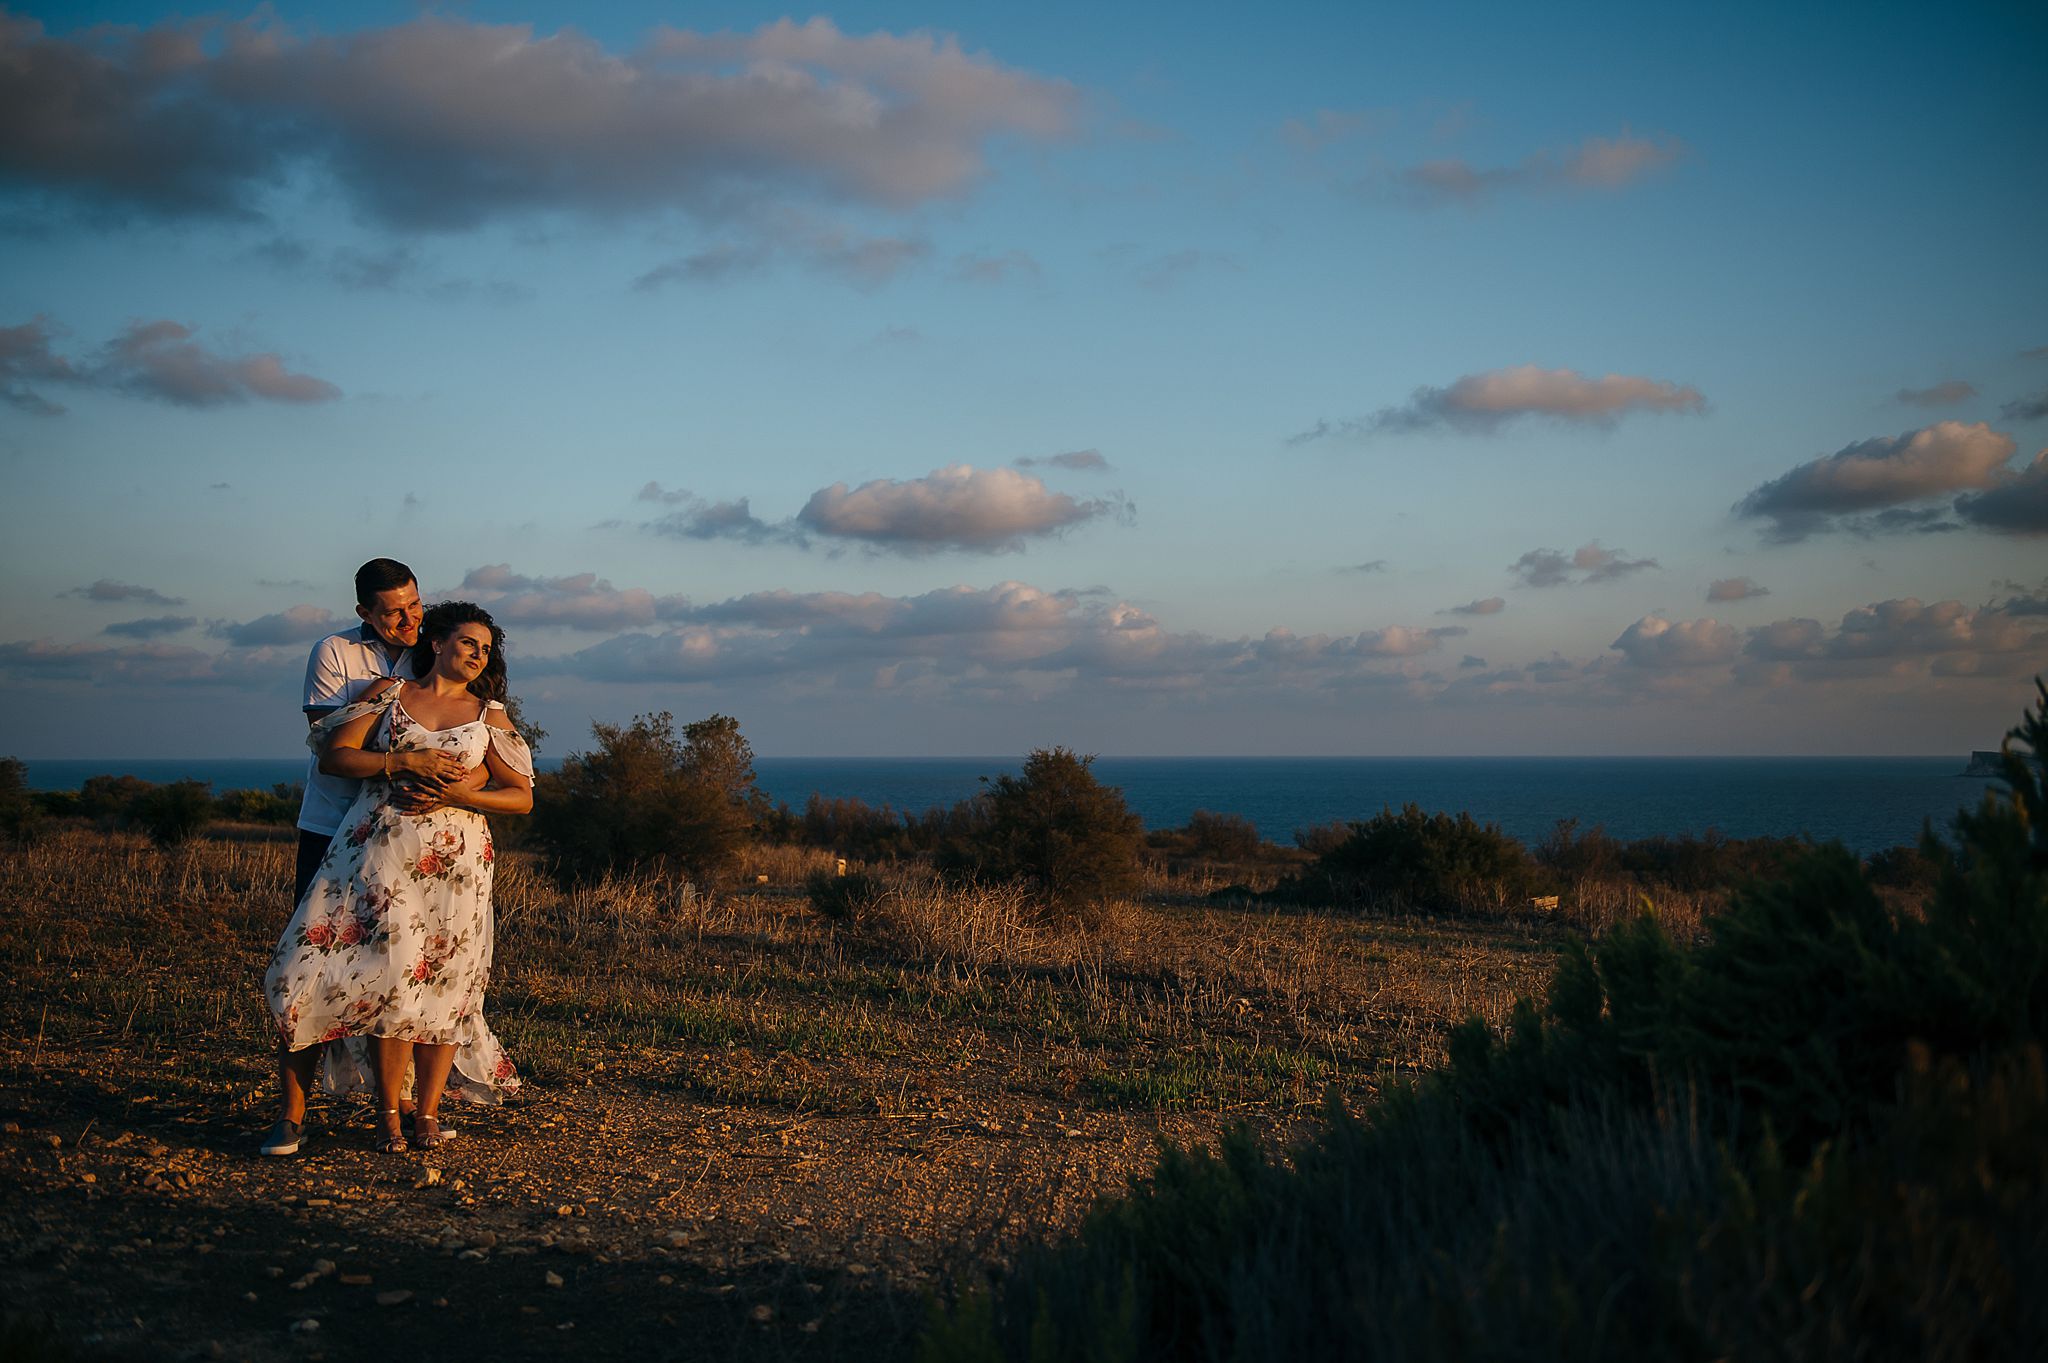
278, 805
106, 799
1815, 1134
645, 798
172, 814
20, 815
1053, 826
1211, 837
1413, 860
842, 897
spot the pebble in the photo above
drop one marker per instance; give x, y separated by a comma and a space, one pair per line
472, 1256
453, 1243
428, 1179
273, 1272
677, 1239
324, 1267
356, 1279
763, 1313
666, 1280
565, 1210
88, 1178
305, 1327
856, 1270
396, 1297
553, 1279
250, 1296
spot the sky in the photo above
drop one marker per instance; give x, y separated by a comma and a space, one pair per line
1358, 379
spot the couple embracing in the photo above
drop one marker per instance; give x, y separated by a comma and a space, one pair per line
381, 970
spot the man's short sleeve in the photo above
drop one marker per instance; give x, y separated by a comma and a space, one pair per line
326, 676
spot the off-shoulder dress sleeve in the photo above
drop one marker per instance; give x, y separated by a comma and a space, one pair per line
324, 728
511, 748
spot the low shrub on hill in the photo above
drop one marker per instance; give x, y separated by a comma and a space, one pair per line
1814, 1134
1053, 827
1412, 860
279, 804
171, 814
646, 797
1210, 837
20, 816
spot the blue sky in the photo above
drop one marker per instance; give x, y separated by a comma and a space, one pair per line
1351, 379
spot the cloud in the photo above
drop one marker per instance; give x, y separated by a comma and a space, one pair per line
1165, 271
151, 628
2016, 504
161, 360
867, 262
106, 589
25, 357
148, 666
959, 507
1492, 605
992, 638
1879, 473
734, 520
1587, 564
1735, 589
1943, 394
442, 123
153, 360
583, 601
300, 624
391, 269
1080, 461
1598, 163
2024, 600
1655, 642
2026, 409
995, 269
1901, 636
1486, 401
1377, 565
1328, 126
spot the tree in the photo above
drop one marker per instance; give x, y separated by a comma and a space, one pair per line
644, 797
1052, 826
19, 815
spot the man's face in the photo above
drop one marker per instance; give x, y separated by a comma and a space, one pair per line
394, 616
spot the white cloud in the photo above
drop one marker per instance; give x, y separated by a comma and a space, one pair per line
1587, 564
1597, 163
1735, 589
1889, 473
299, 624
582, 601
959, 507
1655, 642
1484, 402
446, 123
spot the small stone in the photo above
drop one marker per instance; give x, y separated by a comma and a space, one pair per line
451, 1244
472, 1256
273, 1272
305, 1327
428, 1179
250, 1296
763, 1313
566, 1325
458, 1185
677, 1239
356, 1279
856, 1270
88, 1178
565, 1210
397, 1296
11, 1128
810, 1327
485, 1239
324, 1267
553, 1279
54, 1142
319, 1202
666, 1280
301, 1284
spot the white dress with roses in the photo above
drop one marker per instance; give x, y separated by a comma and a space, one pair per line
394, 936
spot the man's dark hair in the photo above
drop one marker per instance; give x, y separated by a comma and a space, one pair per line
380, 575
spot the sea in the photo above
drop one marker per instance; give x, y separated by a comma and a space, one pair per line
1865, 803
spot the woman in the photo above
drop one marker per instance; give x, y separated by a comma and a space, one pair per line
385, 961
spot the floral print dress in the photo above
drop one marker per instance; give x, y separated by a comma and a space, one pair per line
394, 936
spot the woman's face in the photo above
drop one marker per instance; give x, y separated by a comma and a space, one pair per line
464, 654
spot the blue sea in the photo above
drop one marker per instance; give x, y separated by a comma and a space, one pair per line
1867, 803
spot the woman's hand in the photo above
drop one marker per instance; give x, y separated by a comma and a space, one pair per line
428, 765
424, 795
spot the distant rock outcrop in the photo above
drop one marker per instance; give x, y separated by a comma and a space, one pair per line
1992, 763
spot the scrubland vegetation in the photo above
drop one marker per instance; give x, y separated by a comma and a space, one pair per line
1425, 1091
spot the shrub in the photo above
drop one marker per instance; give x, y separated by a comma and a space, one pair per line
1222, 837
172, 814
643, 797
1413, 860
106, 799
20, 815
1817, 1134
1054, 827
843, 897
257, 806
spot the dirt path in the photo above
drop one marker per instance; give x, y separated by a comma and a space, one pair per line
624, 1219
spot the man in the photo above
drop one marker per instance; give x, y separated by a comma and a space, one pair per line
341, 668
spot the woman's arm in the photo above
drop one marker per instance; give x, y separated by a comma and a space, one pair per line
345, 755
